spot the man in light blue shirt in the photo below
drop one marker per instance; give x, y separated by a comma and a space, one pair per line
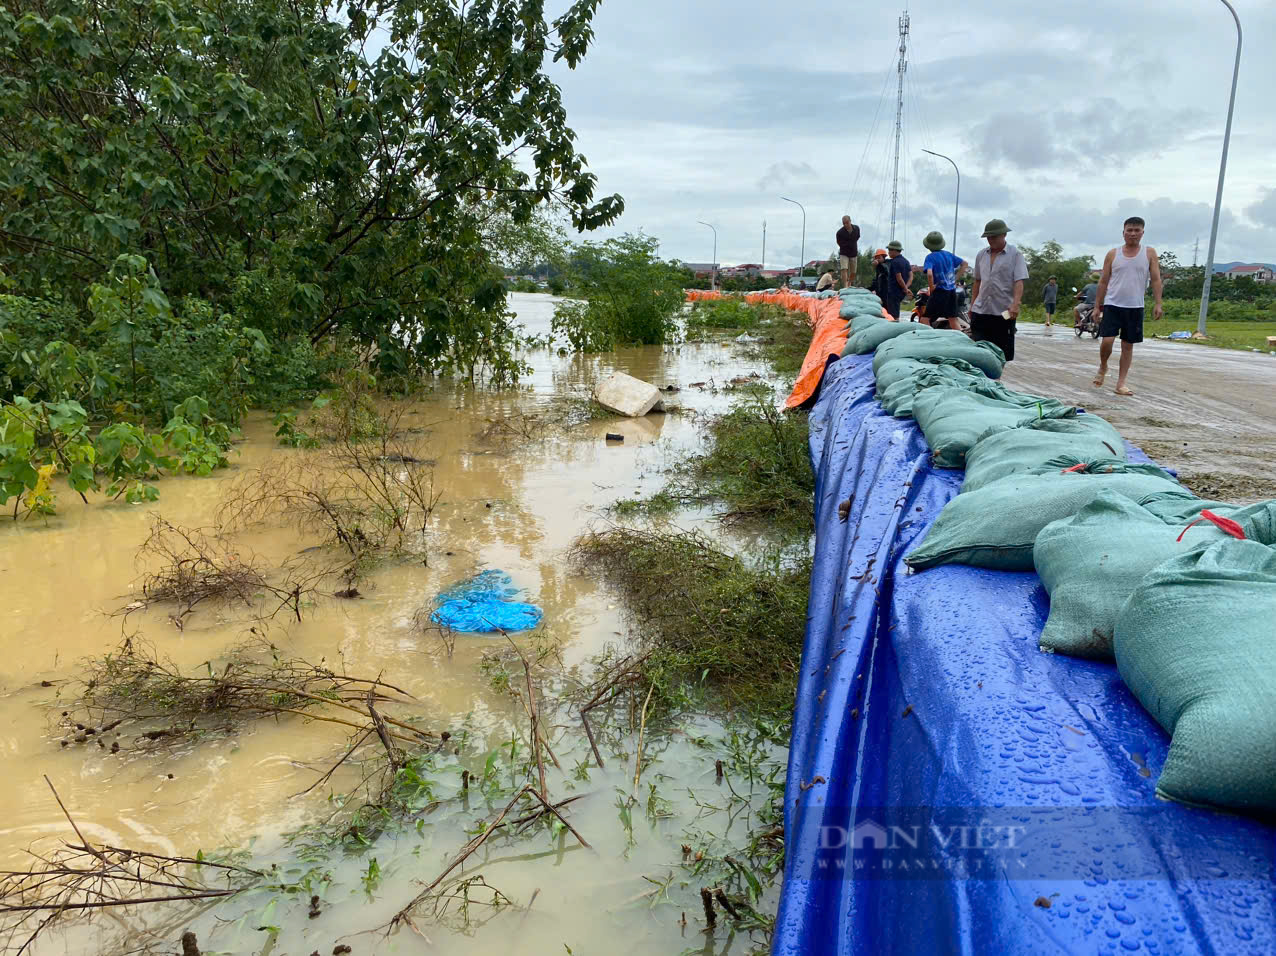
943, 271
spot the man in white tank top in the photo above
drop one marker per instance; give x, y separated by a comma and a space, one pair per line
1118, 306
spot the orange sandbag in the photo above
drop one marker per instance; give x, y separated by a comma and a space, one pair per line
829, 333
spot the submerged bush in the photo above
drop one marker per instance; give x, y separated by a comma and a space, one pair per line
758, 464
625, 296
708, 618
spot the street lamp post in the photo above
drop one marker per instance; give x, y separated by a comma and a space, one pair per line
957, 202
1222, 170
802, 267
713, 266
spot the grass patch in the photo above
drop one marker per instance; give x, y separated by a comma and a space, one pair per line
721, 315
576, 410
660, 505
708, 618
1233, 335
788, 339
758, 465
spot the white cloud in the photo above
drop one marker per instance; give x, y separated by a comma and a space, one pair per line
1061, 119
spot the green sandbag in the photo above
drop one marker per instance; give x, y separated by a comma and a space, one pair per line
860, 322
1090, 563
867, 340
900, 398
1179, 512
892, 372
1037, 442
1194, 643
851, 308
940, 343
953, 418
996, 526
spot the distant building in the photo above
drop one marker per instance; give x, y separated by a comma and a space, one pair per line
746, 270
702, 269
1259, 273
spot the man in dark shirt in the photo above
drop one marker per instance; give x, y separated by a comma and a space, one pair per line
848, 250
901, 274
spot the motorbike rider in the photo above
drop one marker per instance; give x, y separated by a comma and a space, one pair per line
1085, 301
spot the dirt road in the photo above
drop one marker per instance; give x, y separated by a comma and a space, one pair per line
1208, 413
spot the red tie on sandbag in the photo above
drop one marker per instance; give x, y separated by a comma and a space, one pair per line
1079, 467
1226, 525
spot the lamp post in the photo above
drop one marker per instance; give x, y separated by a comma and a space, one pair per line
713, 266
802, 267
1222, 170
957, 202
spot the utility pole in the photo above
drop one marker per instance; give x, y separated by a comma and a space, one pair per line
1222, 171
713, 266
956, 202
899, 112
1196, 247
802, 267
763, 244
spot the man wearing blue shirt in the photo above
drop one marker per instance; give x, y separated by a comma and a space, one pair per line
900, 273
943, 271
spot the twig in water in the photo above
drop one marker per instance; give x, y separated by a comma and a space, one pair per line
641, 728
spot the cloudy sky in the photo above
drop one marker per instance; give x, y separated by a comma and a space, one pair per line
1063, 117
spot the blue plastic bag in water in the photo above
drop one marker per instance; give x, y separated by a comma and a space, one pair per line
483, 605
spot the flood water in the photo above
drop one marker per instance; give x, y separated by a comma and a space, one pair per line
508, 501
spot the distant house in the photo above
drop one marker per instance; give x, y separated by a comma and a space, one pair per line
1258, 273
778, 273
701, 269
746, 270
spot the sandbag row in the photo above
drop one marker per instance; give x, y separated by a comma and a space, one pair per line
1179, 591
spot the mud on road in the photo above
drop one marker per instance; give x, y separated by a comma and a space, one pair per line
1210, 414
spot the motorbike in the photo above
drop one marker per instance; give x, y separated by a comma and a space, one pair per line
1086, 322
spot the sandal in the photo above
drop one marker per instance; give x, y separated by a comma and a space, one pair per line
1098, 379
1123, 390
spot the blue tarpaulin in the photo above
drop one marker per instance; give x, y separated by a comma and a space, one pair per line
951, 788
484, 604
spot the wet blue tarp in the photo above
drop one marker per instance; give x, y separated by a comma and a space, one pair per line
484, 604
950, 787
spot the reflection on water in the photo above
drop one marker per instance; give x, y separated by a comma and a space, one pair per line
507, 503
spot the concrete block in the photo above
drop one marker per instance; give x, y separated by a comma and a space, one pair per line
626, 395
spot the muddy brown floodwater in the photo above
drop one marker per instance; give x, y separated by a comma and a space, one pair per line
507, 502
1208, 413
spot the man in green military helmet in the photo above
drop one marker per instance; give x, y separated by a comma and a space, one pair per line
943, 271
899, 274
1000, 272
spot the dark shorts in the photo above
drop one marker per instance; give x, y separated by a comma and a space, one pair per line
942, 304
994, 329
1049, 308
1125, 321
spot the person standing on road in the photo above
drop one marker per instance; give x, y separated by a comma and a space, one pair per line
881, 275
900, 274
1050, 299
943, 271
1000, 271
1118, 305
848, 250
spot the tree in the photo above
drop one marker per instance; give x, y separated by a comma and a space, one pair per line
1049, 260
352, 161
627, 295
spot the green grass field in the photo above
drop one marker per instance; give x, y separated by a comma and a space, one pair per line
1223, 333
1227, 335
